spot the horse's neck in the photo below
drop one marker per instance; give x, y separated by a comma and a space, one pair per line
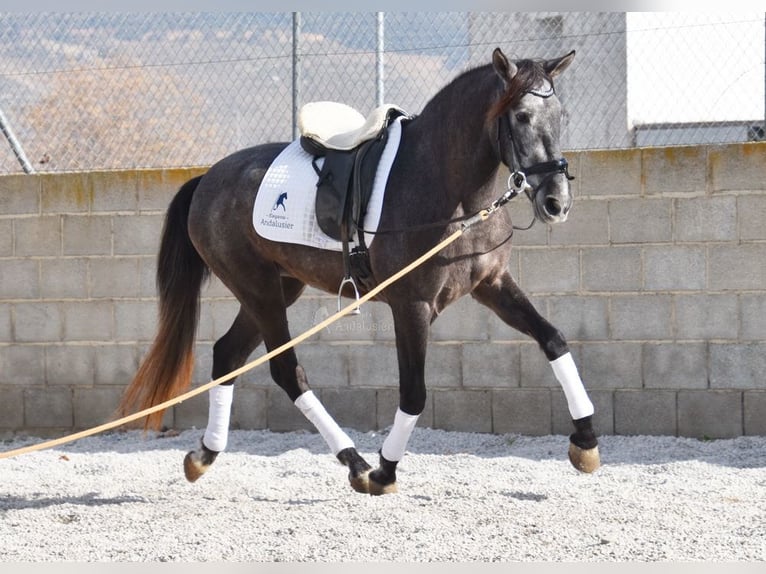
452, 133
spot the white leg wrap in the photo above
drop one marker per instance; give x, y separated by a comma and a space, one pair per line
566, 373
313, 410
396, 441
219, 412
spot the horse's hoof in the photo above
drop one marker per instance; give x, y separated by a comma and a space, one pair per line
584, 459
377, 489
194, 467
360, 482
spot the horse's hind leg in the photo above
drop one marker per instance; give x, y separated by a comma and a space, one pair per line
268, 307
229, 353
504, 297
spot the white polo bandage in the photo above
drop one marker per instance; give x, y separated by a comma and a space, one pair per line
313, 410
219, 413
396, 442
577, 399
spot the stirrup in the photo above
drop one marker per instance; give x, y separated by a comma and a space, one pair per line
356, 310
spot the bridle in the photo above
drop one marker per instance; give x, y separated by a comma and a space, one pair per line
506, 146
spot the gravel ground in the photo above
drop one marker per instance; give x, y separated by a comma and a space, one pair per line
462, 497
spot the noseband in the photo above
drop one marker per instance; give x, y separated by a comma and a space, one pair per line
506, 145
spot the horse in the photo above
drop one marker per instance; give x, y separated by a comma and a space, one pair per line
503, 113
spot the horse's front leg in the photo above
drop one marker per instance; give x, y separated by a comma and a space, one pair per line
506, 299
411, 323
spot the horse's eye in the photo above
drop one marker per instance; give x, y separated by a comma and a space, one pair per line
522, 117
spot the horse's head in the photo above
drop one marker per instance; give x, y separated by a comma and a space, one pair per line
528, 118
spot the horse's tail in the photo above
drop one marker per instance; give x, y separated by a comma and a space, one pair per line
167, 368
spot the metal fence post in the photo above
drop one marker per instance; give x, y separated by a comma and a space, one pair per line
380, 88
296, 71
18, 151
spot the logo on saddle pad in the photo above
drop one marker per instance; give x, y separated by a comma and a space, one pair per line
274, 218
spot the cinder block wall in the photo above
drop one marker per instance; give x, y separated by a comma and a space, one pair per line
658, 280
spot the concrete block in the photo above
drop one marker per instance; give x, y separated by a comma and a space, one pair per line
674, 169
521, 411
72, 365
611, 172
752, 313
640, 220
114, 277
191, 414
491, 365
611, 365
95, 406
603, 415
737, 267
675, 268
217, 318
351, 407
738, 166
157, 187
645, 412
536, 370
115, 364
522, 214
22, 365
464, 320
549, 270
675, 365
87, 320
301, 316
327, 365
737, 365
703, 316
352, 328
6, 237
21, 279
214, 287
711, 414
87, 235
636, 317
283, 415
66, 192
37, 322
580, 318
755, 413
114, 191
587, 224
46, 407
443, 365
11, 408
148, 276
137, 234
463, 410
369, 365
249, 409
611, 269
19, 194
6, 330
64, 278
388, 402
751, 213
135, 320
706, 219
38, 236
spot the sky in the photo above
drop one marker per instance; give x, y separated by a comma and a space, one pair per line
725, 83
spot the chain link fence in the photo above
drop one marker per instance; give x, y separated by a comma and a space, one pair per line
88, 91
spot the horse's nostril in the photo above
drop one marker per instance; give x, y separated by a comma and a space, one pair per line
552, 206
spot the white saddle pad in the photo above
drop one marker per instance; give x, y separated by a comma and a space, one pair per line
284, 208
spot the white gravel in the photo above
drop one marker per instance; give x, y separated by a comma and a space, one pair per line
462, 497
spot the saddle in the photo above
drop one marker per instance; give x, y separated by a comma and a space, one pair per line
351, 146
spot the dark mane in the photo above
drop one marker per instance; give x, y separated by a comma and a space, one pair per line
530, 74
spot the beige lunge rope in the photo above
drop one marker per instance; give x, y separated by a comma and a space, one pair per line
482, 215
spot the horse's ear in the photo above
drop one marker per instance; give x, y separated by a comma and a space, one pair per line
504, 67
554, 67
